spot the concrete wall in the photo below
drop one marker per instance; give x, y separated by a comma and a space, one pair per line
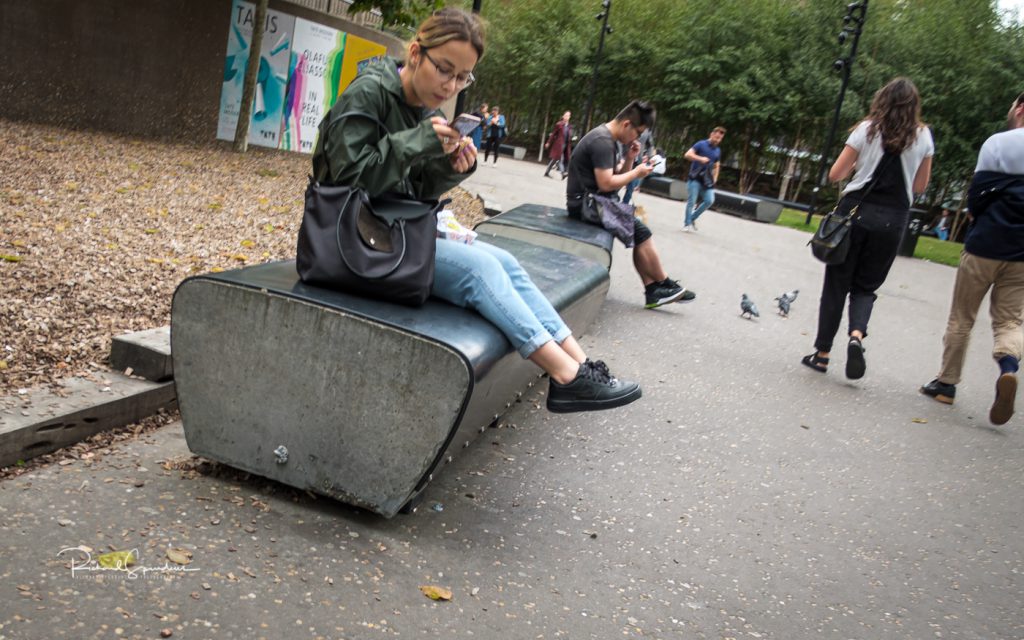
142, 67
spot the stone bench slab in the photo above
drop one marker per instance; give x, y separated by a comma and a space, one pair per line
352, 398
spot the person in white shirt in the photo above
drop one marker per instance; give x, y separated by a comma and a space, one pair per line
889, 153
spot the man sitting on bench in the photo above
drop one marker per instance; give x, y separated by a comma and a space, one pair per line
596, 168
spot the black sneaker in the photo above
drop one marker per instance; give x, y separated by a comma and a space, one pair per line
661, 294
593, 389
944, 393
688, 295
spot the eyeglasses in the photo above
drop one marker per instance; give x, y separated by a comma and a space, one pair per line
636, 129
462, 80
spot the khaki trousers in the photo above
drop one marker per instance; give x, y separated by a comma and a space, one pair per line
974, 278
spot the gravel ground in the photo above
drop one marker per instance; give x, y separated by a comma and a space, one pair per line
97, 230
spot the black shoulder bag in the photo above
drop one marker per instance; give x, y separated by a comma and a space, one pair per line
831, 242
381, 247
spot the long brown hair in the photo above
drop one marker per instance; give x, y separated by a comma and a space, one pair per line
895, 114
451, 23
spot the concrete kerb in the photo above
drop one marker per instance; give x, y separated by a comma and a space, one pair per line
38, 421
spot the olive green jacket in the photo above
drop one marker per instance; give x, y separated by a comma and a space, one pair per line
356, 152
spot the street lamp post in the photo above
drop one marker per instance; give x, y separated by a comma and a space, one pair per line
607, 6
460, 101
853, 23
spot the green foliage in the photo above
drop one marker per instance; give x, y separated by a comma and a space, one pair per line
398, 12
761, 68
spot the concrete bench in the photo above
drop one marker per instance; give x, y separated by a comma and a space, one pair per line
750, 207
352, 398
671, 188
517, 153
550, 227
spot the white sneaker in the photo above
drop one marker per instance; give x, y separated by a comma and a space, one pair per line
688, 228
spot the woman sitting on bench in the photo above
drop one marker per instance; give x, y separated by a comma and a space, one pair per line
424, 157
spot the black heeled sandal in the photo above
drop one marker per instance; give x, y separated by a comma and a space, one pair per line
855, 365
815, 362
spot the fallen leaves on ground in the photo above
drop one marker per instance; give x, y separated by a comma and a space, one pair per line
116, 560
99, 229
179, 556
436, 593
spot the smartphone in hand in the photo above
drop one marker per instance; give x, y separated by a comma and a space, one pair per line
465, 123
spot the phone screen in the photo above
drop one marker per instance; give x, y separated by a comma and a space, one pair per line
465, 123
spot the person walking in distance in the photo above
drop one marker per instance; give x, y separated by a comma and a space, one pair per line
704, 160
559, 146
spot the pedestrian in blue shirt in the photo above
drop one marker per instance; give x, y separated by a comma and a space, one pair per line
495, 133
704, 158
478, 134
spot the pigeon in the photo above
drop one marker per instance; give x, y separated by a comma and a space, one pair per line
749, 308
785, 300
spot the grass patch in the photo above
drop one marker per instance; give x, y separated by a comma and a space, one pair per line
928, 248
941, 252
795, 220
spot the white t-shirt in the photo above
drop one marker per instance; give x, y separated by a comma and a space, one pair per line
659, 165
869, 154
1003, 152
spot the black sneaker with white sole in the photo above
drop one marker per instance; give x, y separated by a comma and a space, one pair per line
944, 393
593, 389
687, 296
661, 294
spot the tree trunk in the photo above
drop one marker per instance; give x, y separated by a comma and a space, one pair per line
544, 127
743, 163
959, 219
787, 173
249, 85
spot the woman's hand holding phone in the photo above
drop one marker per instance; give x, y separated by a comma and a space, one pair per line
448, 136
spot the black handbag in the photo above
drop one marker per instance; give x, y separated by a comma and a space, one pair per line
381, 247
831, 242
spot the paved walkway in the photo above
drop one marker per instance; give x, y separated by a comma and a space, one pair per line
744, 497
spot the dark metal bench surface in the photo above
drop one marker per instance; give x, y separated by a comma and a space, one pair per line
551, 227
360, 399
665, 187
746, 206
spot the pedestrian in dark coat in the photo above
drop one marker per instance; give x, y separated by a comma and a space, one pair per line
559, 146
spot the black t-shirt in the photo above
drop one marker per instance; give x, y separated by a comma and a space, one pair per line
597, 150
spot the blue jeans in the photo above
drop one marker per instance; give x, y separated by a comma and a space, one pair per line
490, 280
695, 189
633, 184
